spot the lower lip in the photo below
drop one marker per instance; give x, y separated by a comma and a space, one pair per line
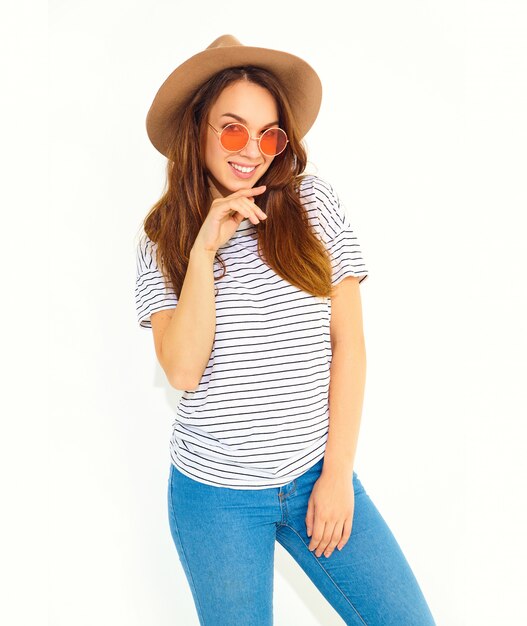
242, 174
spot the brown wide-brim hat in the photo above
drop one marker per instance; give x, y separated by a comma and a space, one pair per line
298, 79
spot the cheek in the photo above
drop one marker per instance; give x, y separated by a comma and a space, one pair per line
268, 163
211, 155
216, 153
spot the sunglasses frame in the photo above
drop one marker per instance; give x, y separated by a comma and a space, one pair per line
258, 139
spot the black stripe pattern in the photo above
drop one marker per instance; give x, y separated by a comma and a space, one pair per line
259, 417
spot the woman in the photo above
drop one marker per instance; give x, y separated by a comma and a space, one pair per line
248, 274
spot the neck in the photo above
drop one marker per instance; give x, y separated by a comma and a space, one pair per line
213, 188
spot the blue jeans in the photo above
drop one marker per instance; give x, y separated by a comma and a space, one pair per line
225, 539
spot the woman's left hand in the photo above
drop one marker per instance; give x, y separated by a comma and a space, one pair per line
330, 512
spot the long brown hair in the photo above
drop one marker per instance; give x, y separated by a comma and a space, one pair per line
286, 241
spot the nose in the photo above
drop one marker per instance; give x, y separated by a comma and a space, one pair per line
252, 149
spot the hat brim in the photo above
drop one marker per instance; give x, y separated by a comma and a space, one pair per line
299, 81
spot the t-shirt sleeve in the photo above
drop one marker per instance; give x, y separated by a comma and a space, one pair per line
152, 293
339, 235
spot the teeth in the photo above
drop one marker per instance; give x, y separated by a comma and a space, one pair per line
243, 169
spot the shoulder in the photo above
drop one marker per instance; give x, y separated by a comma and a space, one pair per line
323, 206
152, 292
311, 183
146, 254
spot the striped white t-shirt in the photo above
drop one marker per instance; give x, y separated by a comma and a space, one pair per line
259, 417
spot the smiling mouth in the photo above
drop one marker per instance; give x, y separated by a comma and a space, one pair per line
244, 169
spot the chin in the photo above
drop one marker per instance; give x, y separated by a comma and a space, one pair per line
236, 185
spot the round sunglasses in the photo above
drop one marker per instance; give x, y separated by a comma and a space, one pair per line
235, 137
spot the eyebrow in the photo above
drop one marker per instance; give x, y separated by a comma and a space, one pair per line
240, 119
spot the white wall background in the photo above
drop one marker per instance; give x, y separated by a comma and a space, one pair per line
423, 134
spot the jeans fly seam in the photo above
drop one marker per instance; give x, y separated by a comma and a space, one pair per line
283, 510
328, 575
200, 610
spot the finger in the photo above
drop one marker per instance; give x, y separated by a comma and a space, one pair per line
237, 217
326, 538
310, 517
255, 208
318, 533
335, 538
248, 209
252, 191
258, 190
346, 533
242, 208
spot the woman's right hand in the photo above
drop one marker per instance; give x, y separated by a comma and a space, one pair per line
225, 215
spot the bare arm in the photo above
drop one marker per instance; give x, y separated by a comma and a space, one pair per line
347, 378
184, 336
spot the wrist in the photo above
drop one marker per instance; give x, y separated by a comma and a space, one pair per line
200, 252
338, 465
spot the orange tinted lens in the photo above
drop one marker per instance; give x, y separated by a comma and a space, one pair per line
273, 141
234, 137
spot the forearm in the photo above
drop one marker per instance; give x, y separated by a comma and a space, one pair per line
346, 396
188, 339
